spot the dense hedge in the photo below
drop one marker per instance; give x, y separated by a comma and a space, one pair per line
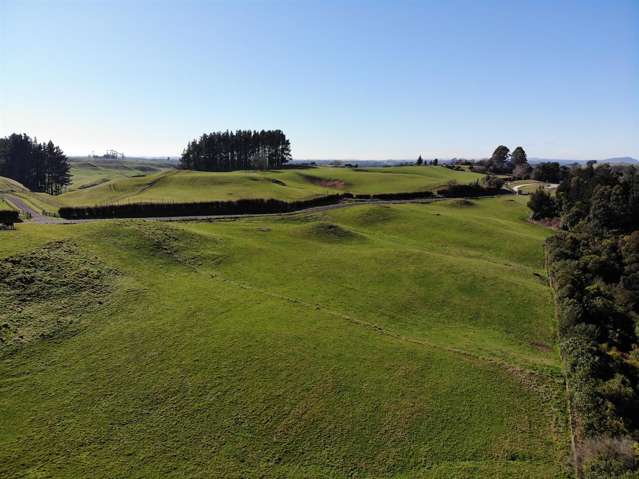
239, 207
454, 190
8, 217
258, 206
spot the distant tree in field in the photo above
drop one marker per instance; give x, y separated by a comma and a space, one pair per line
542, 205
435, 162
239, 150
499, 158
38, 166
420, 161
519, 157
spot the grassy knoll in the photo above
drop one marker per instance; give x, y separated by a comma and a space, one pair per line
408, 341
191, 186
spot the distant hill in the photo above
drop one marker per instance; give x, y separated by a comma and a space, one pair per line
616, 160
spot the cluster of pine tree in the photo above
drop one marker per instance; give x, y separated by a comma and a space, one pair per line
594, 268
239, 150
38, 166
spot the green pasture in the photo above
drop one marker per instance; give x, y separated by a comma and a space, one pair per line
288, 185
406, 341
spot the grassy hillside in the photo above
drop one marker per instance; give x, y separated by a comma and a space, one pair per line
369, 341
4, 205
7, 185
191, 186
87, 172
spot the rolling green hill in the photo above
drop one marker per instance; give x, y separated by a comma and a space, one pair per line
408, 341
192, 186
87, 172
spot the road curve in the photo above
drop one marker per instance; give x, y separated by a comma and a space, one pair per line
35, 216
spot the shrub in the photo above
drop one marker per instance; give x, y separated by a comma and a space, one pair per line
542, 205
9, 217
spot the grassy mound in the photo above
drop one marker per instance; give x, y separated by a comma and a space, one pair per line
328, 232
462, 203
45, 290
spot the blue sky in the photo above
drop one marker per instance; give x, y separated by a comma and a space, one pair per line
343, 79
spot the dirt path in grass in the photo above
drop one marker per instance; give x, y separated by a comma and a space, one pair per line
33, 215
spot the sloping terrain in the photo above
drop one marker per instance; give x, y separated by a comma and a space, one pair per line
369, 341
88, 172
193, 186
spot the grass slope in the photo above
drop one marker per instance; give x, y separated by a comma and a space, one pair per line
4, 205
87, 172
192, 186
411, 341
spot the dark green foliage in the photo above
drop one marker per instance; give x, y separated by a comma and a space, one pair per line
501, 161
549, 172
455, 190
606, 196
38, 166
492, 182
239, 207
519, 157
420, 161
542, 205
500, 157
240, 150
8, 217
594, 267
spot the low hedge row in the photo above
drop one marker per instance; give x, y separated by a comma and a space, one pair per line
239, 207
471, 190
253, 206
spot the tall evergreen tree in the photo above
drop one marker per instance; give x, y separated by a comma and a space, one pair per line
499, 158
242, 149
38, 166
519, 157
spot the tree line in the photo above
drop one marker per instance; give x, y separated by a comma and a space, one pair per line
239, 150
593, 264
38, 166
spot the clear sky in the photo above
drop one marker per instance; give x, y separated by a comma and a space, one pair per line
343, 79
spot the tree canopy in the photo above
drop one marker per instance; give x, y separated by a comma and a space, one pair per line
239, 150
38, 166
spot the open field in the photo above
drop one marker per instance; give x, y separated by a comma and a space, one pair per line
408, 341
192, 186
88, 172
